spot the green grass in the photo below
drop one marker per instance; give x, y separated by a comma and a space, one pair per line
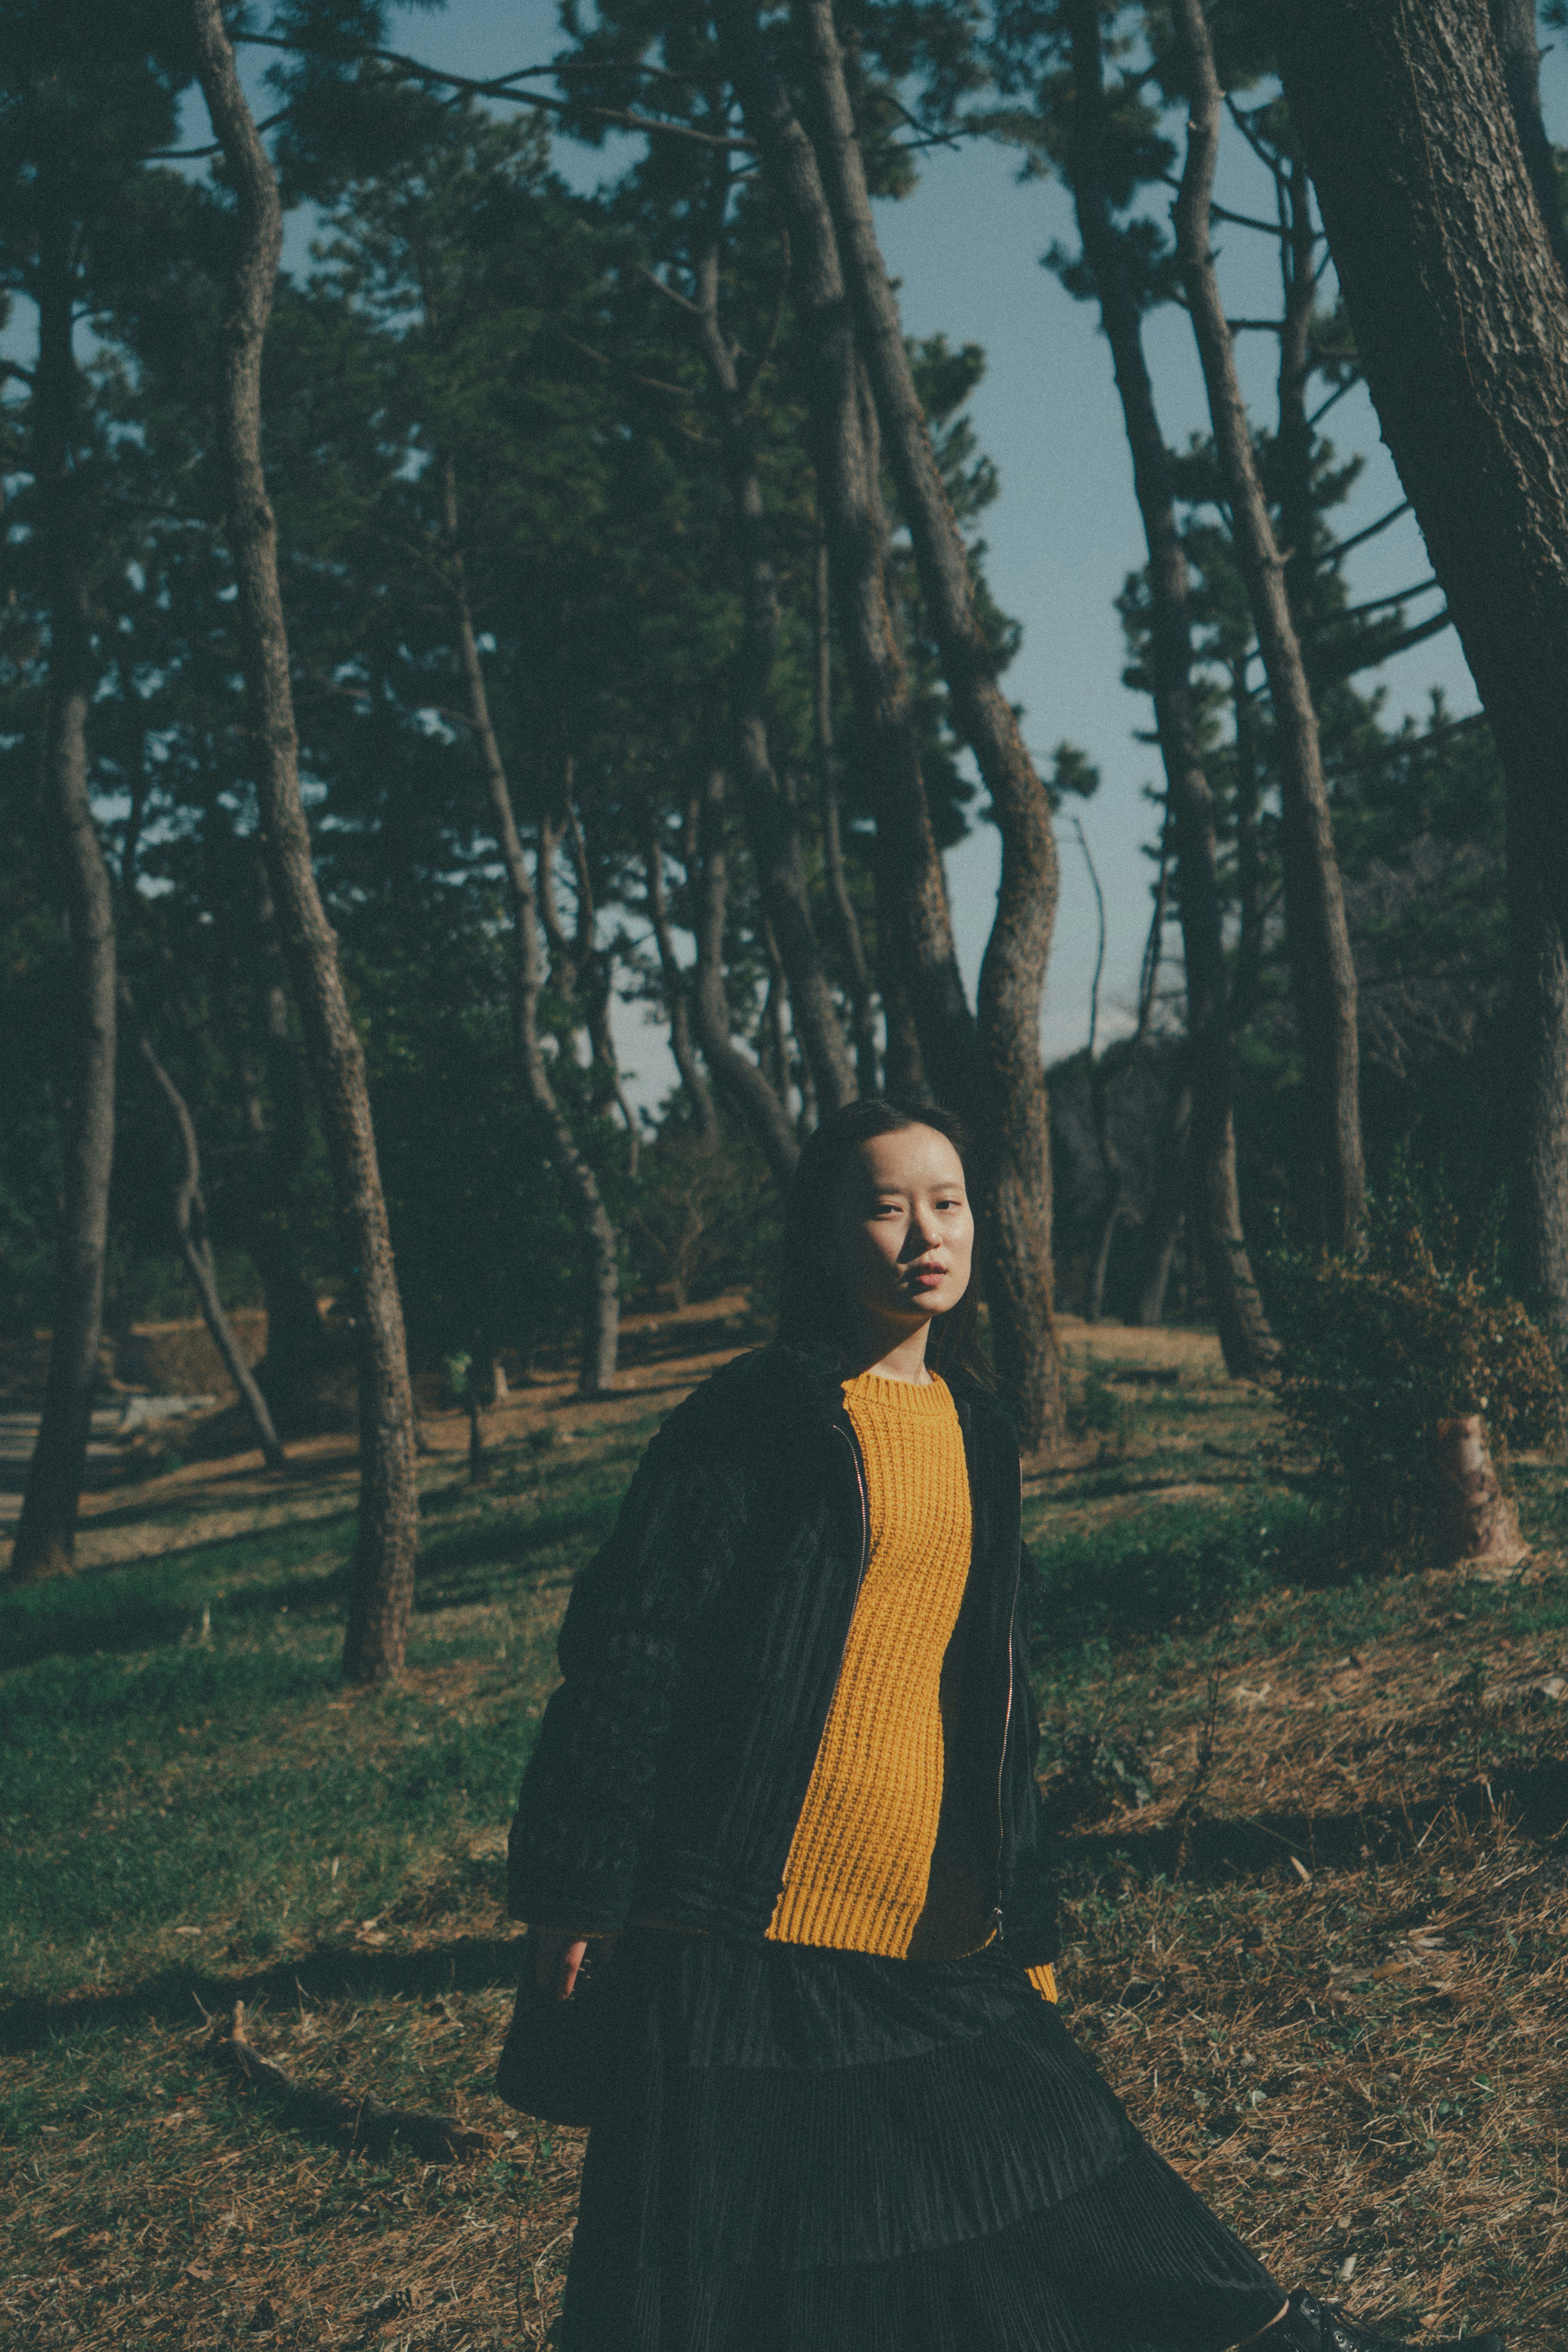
193, 1809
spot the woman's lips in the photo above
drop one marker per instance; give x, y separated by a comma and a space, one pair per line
925, 1278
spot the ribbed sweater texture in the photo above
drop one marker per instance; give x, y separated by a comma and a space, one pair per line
870, 1868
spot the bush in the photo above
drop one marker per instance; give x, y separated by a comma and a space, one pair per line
1382, 1343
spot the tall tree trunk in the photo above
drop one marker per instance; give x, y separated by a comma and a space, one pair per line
773, 820
1539, 1011
45, 1537
1162, 1224
296, 1347
916, 955
846, 923
383, 1591
1012, 972
1538, 1094
601, 1285
699, 1096
914, 929
190, 1232
1210, 1158
735, 1073
1461, 324
1323, 970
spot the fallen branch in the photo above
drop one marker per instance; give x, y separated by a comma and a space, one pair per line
439, 2140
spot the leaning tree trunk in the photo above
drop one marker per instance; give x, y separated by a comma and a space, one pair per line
1209, 1156
915, 946
46, 1537
1323, 970
191, 1232
915, 951
1012, 972
382, 1590
1461, 324
773, 819
601, 1248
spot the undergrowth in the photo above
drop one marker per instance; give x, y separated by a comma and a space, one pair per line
1312, 1836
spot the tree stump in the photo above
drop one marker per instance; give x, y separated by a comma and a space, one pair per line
1476, 1522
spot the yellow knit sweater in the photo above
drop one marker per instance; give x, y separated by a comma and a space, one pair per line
874, 1865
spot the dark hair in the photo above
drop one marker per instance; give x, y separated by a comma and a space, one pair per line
812, 1306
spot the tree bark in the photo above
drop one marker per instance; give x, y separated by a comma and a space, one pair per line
382, 1586
699, 1096
773, 820
1539, 1012
915, 951
191, 1230
1322, 970
1538, 1096
1518, 53
1162, 1225
601, 1247
736, 1075
1461, 324
1210, 1158
846, 923
1012, 972
45, 1537
296, 1347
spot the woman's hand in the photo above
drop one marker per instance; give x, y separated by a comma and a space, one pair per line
557, 1957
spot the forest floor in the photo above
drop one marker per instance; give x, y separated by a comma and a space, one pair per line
1317, 1866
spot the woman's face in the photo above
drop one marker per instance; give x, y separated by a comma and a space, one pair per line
903, 1233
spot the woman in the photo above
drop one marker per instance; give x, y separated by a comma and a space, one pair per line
790, 1774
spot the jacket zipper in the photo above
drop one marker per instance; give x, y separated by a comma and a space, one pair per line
853, 1444
1007, 1718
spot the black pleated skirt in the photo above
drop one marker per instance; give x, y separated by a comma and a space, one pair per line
818, 2151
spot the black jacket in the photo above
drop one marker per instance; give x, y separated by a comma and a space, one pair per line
700, 1653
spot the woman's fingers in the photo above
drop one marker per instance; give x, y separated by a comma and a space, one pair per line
557, 1960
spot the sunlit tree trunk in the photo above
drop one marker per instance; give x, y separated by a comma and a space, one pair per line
1021, 1276
1460, 317
1208, 1159
45, 1537
601, 1276
773, 820
382, 1583
1323, 970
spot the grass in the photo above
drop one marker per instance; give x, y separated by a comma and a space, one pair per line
1313, 1845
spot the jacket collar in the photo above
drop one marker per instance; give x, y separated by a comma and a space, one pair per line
816, 1371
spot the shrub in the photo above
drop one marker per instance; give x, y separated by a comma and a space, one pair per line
1380, 1344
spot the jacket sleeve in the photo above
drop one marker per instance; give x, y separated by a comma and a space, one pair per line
589, 1793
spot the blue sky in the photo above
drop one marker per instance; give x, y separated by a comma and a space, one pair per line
966, 247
